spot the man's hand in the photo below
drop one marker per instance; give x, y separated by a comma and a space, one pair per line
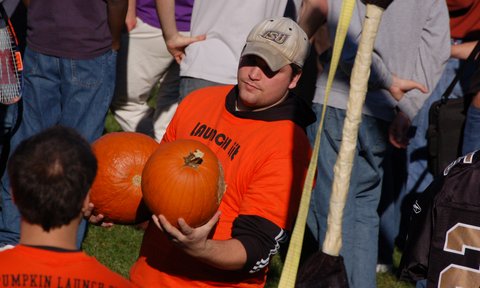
117, 11
401, 86
191, 240
398, 131
176, 45
227, 254
130, 20
176, 42
94, 219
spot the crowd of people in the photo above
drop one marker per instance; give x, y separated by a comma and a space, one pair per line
234, 67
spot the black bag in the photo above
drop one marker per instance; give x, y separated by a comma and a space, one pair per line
446, 121
414, 263
443, 242
322, 271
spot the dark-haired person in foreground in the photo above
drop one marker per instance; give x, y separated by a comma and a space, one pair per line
50, 175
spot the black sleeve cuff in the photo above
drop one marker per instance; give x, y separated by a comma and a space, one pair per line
261, 239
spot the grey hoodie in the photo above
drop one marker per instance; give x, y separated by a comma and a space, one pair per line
413, 42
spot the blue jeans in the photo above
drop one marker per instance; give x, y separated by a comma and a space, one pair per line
471, 137
421, 284
57, 91
7, 122
360, 218
418, 176
8, 116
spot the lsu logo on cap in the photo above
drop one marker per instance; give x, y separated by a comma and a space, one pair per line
275, 36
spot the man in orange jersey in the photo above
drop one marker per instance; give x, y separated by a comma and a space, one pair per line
256, 129
51, 174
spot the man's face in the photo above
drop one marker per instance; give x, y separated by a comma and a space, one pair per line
260, 87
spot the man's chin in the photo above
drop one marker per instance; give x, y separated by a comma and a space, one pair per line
246, 98
244, 104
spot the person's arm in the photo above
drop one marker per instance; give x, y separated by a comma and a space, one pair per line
400, 126
226, 255
312, 19
433, 53
166, 15
254, 239
117, 11
400, 86
131, 18
398, 131
461, 51
313, 14
176, 43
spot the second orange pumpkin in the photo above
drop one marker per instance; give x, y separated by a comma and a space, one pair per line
116, 192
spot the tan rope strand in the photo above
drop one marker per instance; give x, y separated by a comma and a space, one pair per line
343, 166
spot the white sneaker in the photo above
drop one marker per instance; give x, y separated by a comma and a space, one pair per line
6, 247
384, 268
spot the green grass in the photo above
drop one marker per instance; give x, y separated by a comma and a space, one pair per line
110, 124
117, 247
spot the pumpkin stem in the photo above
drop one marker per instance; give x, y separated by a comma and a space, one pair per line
194, 159
137, 180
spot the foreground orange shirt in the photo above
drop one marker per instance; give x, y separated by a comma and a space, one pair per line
25, 266
265, 163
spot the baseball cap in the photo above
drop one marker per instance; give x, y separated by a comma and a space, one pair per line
278, 41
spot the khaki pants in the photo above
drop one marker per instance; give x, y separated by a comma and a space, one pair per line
144, 62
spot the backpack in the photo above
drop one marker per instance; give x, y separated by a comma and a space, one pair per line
443, 242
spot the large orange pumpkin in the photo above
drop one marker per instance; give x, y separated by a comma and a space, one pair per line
183, 179
116, 192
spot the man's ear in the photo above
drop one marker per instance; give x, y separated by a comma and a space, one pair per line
86, 201
294, 81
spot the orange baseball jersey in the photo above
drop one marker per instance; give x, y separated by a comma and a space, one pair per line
26, 266
265, 156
